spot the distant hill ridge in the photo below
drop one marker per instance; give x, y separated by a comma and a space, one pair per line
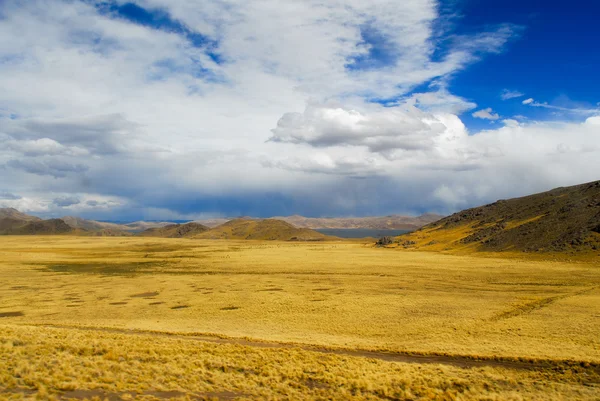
393, 222
13, 222
13, 226
559, 220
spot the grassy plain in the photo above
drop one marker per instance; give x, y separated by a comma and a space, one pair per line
331, 295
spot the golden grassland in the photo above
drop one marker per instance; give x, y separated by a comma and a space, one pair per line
50, 363
339, 295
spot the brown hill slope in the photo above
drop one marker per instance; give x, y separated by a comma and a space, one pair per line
268, 229
10, 213
563, 219
175, 231
9, 226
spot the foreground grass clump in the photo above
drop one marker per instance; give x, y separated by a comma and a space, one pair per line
52, 363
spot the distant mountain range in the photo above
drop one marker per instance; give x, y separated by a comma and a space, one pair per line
393, 222
561, 220
13, 222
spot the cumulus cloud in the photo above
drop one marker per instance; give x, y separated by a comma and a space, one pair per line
528, 101
486, 114
379, 129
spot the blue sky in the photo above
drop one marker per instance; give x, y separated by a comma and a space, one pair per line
553, 60
156, 109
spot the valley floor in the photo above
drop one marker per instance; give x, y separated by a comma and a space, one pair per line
124, 318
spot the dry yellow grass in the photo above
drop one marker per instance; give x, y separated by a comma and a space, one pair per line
48, 363
332, 294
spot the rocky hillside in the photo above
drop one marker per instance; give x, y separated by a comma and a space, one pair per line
563, 219
268, 229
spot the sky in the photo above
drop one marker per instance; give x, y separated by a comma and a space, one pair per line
185, 109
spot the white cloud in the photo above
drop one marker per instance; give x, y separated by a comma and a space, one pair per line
510, 94
570, 110
378, 128
486, 114
528, 101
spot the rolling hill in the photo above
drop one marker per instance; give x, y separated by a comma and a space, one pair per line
561, 220
267, 229
175, 231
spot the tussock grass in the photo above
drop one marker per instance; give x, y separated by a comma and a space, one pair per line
51, 363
